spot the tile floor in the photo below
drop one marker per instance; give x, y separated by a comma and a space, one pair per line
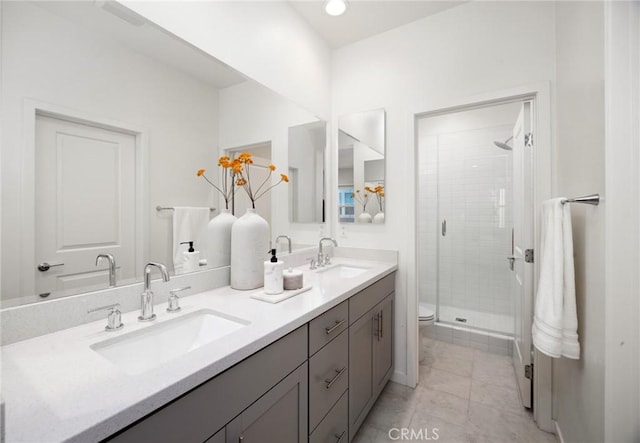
466, 394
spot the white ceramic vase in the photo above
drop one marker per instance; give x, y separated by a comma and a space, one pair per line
249, 251
218, 252
378, 219
365, 217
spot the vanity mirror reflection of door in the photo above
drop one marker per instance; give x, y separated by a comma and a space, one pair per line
261, 154
83, 174
361, 167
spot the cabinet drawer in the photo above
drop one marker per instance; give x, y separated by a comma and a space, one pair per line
366, 299
334, 427
328, 378
328, 326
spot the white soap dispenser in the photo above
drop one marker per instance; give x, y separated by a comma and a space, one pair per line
273, 281
191, 258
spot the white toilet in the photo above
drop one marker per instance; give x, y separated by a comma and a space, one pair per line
425, 314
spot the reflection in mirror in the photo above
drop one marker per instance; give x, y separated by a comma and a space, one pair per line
307, 144
261, 155
106, 118
361, 166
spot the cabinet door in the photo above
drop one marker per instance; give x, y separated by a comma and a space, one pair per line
360, 370
279, 416
383, 343
218, 437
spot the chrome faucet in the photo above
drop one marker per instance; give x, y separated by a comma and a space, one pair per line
146, 299
287, 238
112, 267
324, 259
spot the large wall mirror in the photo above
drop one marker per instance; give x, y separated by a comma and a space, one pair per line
106, 119
361, 167
307, 144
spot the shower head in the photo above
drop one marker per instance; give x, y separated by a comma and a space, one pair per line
504, 145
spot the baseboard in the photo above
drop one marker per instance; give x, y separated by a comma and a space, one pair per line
558, 432
400, 377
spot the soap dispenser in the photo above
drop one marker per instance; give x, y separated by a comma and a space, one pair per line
191, 258
273, 282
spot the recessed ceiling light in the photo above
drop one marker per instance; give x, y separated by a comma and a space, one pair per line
335, 7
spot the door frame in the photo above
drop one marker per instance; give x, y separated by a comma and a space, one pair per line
544, 171
32, 108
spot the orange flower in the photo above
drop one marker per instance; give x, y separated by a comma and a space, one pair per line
241, 182
200, 172
224, 162
272, 167
245, 157
284, 178
237, 166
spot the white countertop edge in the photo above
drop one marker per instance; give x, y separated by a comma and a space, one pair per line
116, 420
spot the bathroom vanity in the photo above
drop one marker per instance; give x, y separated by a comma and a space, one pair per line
306, 369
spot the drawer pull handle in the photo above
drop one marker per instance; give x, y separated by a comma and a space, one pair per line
334, 327
340, 437
339, 372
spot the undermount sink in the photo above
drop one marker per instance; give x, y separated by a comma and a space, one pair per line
142, 350
343, 271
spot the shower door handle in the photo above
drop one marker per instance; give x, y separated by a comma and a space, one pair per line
444, 228
512, 259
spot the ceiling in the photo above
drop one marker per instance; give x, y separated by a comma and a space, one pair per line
365, 18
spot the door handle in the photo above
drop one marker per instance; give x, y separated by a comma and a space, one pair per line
444, 228
44, 266
512, 259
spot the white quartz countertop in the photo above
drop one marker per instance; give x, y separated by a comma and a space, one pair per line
56, 388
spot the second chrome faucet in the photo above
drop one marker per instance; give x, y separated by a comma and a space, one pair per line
146, 298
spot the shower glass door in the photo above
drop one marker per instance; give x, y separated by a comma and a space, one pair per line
466, 220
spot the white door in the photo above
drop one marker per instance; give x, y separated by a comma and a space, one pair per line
85, 205
522, 240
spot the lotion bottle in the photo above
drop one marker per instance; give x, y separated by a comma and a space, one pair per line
273, 281
191, 258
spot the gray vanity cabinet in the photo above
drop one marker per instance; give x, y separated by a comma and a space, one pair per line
277, 417
370, 347
316, 384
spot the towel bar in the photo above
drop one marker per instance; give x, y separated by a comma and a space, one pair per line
169, 208
593, 199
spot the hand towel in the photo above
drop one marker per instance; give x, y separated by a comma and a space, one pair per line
555, 320
189, 224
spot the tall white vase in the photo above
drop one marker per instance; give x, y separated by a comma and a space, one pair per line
249, 250
218, 252
378, 219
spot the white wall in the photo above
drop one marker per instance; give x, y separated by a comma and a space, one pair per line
49, 59
622, 268
267, 41
251, 113
464, 51
579, 385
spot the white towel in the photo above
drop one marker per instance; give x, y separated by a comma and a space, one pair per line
555, 320
189, 224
